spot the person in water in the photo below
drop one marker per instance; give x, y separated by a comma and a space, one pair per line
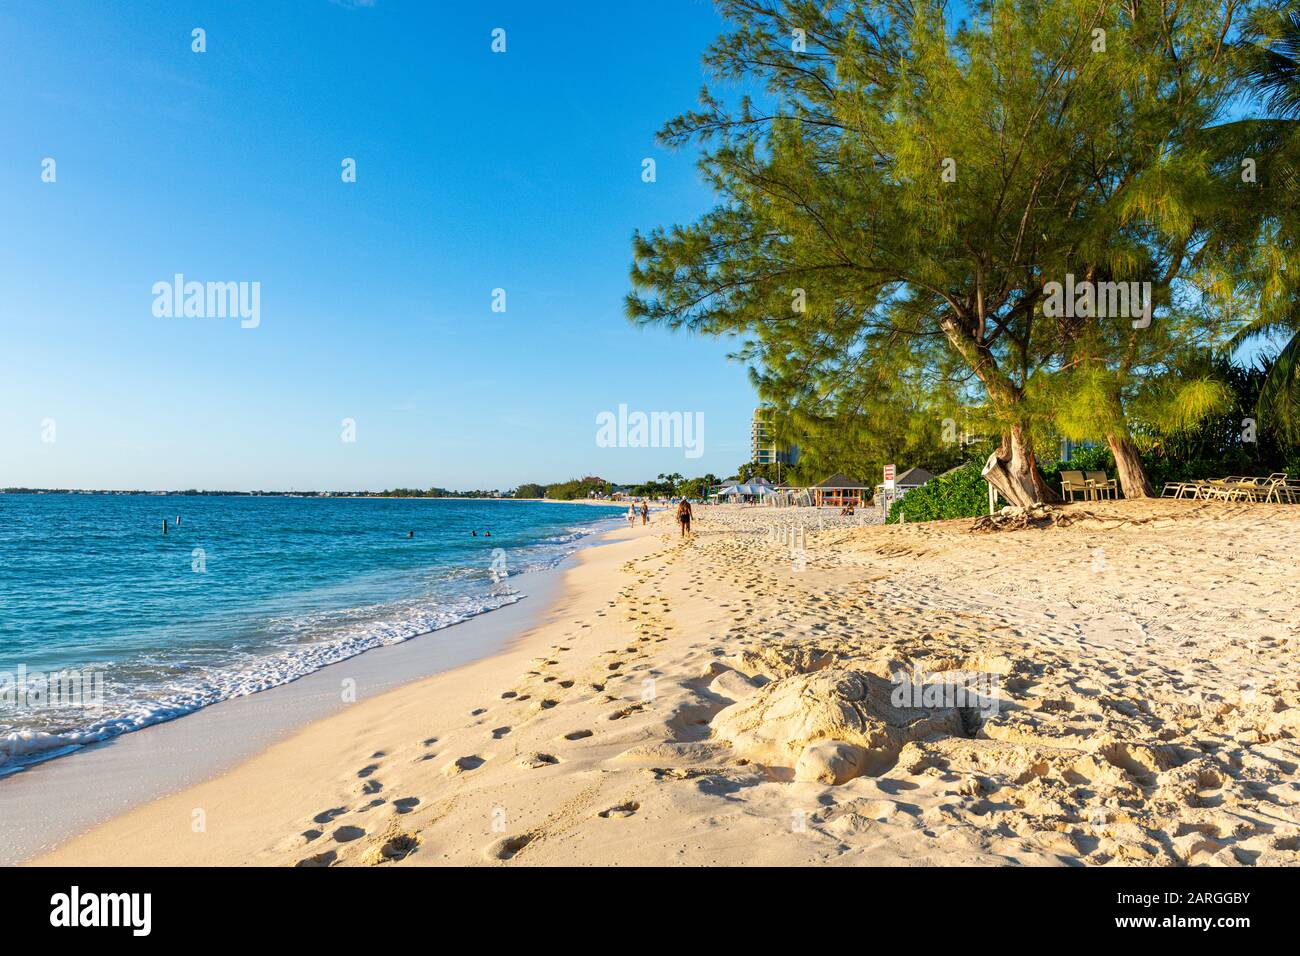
684, 516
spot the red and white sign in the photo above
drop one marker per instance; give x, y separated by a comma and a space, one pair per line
889, 477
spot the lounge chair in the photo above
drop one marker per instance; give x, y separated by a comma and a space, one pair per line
1278, 487
1103, 487
1073, 481
1232, 488
1197, 488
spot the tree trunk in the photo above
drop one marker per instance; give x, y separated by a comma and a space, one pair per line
1013, 471
1128, 465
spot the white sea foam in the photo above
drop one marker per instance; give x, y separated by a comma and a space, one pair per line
254, 674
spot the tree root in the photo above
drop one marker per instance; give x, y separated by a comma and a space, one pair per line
1012, 518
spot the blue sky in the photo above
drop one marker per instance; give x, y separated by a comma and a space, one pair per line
475, 171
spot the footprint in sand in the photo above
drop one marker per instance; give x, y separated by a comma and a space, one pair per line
507, 847
396, 848
347, 834
367, 771
577, 734
465, 764
622, 810
320, 859
500, 732
533, 761
371, 786
327, 816
406, 804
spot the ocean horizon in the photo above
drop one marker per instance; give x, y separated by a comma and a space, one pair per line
108, 624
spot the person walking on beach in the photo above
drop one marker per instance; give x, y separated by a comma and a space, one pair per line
684, 516
645, 512
631, 516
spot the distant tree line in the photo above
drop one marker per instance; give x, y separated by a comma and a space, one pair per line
662, 486
672, 485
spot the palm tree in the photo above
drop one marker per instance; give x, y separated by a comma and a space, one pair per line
1272, 67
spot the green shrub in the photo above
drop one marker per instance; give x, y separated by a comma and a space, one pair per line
1098, 458
958, 494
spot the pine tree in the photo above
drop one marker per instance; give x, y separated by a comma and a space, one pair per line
896, 192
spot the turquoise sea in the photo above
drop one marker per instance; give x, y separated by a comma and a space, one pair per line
108, 625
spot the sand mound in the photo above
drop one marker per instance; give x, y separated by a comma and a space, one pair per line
775, 661
784, 722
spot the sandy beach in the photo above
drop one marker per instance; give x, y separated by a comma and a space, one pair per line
718, 701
